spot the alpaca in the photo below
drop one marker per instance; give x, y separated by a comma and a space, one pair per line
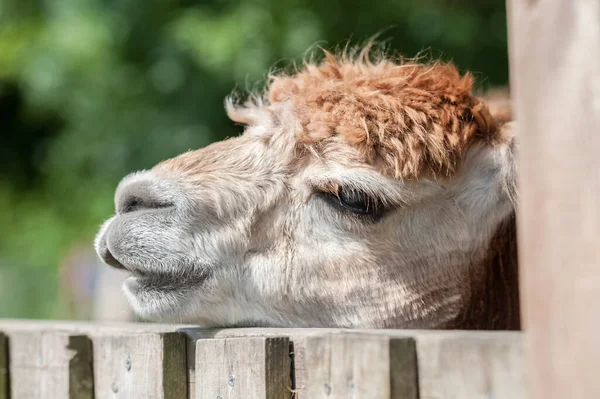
364, 192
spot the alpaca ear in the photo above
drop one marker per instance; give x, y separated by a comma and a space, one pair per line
498, 103
487, 180
249, 113
239, 113
508, 133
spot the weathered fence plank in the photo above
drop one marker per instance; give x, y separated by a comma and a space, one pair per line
342, 366
471, 366
140, 366
50, 365
3, 367
555, 82
239, 368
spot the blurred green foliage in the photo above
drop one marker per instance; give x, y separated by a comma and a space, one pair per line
91, 90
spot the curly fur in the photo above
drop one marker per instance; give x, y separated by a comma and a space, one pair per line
405, 118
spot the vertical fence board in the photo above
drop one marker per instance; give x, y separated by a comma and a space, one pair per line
555, 81
50, 365
3, 367
342, 366
140, 366
239, 368
471, 367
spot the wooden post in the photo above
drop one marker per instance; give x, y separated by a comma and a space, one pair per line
140, 365
342, 366
239, 368
4, 394
555, 83
51, 365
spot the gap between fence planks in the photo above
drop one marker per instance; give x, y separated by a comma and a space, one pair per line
4, 367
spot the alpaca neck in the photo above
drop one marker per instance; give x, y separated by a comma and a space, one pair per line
494, 302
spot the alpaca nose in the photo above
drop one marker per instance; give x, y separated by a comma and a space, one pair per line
101, 246
138, 195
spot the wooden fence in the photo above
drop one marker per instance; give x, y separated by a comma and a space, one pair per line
129, 360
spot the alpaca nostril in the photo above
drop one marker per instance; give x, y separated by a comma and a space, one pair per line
131, 204
137, 196
109, 259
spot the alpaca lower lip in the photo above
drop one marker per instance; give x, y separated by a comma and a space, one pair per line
145, 283
163, 282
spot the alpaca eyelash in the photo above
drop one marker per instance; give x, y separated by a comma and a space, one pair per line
354, 202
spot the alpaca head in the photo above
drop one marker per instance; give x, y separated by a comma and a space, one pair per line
361, 194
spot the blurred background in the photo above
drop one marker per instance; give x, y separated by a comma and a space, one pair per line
91, 90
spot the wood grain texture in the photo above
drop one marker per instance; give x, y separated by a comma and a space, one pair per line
4, 393
239, 368
448, 363
492, 363
50, 365
555, 82
344, 366
140, 366
452, 366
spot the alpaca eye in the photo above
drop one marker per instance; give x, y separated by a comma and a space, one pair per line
357, 201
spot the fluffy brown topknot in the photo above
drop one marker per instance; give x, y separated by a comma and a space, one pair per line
405, 118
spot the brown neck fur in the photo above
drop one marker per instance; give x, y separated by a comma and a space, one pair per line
494, 301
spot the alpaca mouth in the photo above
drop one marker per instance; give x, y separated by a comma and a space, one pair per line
182, 277
158, 281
